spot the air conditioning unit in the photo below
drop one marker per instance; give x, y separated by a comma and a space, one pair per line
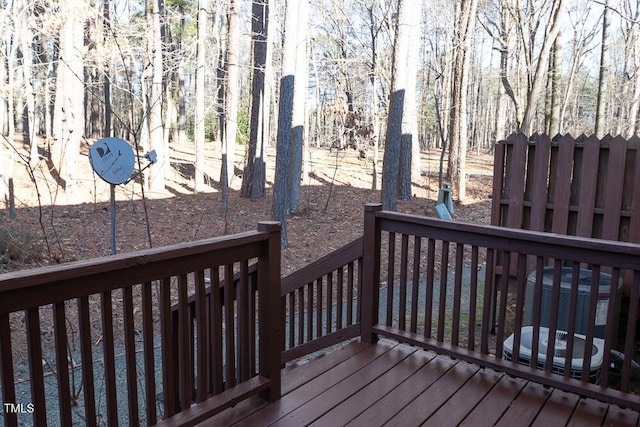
560, 352
584, 290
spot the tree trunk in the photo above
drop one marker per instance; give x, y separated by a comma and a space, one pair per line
603, 75
231, 95
199, 129
280, 203
253, 179
553, 127
69, 111
538, 80
458, 124
393, 139
299, 106
155, 130
410, 147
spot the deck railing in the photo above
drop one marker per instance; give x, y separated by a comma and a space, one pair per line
97, 342
428, 282
320, 302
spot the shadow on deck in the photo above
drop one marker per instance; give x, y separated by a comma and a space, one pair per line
396, 384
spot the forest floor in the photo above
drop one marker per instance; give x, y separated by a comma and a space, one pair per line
74, 224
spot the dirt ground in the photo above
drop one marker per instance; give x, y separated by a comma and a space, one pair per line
75, 224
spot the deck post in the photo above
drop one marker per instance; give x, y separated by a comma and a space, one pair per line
270, 335
370, 273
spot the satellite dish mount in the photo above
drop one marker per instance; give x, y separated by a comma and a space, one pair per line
113, 160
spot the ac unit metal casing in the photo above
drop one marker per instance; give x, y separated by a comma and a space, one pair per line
562, 337
582, 302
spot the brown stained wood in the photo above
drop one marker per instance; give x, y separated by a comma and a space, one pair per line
456, 408
435, 395
588, 186
614, 188
309, 312
391, 251
329, 311
321, 343
516, 181
216, 319
442, 306
229, 328
169, 376
562, 194
619, 417
538, 182
202, 332
557, 409
415, 284
370, 268
243, 328
301, 315
503, 287
489, 410
588, 413
50, 284
62, 364
634, 222
350, 284
525, 407
108, 348
392, 403
457, 295
185, 345
149, 356
498, 181
319, 321
428, 299
339, 298
216, 404
7, 378
86, 354
298, 374
404, 265
130, 351
357, 403
473, 297
309, 390
291, 303
349, 253
347, 387
35, 366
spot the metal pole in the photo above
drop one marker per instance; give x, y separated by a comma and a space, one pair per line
113, 219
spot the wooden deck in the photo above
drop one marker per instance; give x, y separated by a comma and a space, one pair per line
398, 385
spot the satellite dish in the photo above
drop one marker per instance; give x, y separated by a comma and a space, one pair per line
112, 159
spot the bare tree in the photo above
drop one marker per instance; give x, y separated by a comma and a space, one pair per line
253, 179
603, 74
199, 117
69, 101
409, 167
280, 205
154, 100
393, 138
458, 124
539, 77
298, 114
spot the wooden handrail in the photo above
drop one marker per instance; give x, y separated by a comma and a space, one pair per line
448, 290
128, 293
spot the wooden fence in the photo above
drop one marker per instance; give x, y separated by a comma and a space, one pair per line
581, 186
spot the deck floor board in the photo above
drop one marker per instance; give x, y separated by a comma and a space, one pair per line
398, 385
